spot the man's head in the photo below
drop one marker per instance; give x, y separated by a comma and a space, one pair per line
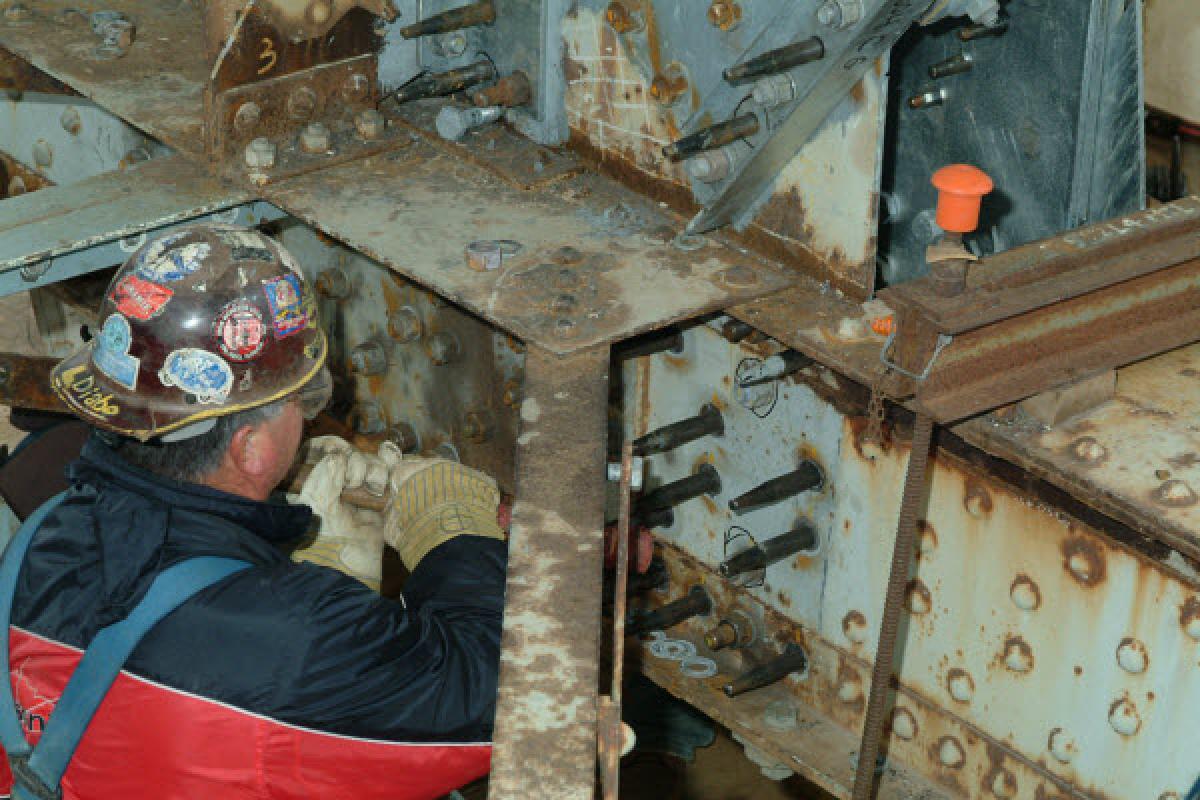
209, 338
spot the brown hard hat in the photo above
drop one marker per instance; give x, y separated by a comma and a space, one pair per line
198, 323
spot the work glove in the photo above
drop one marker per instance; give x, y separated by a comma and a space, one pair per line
435, 500
348, 539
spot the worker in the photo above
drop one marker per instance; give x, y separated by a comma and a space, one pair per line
160, 584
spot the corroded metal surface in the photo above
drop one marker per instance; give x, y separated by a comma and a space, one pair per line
158, 85
596, 263
40, 225
546, 708
25, 383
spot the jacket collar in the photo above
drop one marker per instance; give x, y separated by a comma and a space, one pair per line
276, 522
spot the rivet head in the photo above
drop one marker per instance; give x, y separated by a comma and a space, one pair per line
1189, 618
1131, 656
1018, 655
854, 626
260, 153
978, 501
1062, 746
927, 542
370, 124
1025, 593
1088, 450
918, 599
1124, 718
904, 724
850, 690
1175, 494
315, 138
246, 117
961, 685
1003, 783
951, 753
301, 104
70, 121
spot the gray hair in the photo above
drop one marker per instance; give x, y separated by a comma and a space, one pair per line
190, 460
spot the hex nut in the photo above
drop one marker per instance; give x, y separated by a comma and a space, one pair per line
260, 153
370, 124
301, 104
315, 138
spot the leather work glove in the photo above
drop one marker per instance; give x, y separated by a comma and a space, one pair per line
349, 539
435, 500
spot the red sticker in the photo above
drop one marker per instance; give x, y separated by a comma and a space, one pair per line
240, 331
140, 299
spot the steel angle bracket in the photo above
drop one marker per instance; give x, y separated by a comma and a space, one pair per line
1052, 312
63, 231
738, 199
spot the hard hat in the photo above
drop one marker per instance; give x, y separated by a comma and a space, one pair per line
198, 323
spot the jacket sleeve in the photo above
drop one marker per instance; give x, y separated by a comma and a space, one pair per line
420, 669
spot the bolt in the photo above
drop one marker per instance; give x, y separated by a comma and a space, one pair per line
260, 153
70, 121
404, 324
246, 118
453, 44
43, 154
622, 20
333, 283
711, 166
950, 752
356, 87
301, 104
840, 14
319, 11
1132, 657
961, 685
1025, 593
1175, 494
315, 138
1123, 717
370, 124
454, 123
955, 65
1088, 450
904, 725
369, 358
854, 625
1062, 746
724, 14
928, 99
442, 348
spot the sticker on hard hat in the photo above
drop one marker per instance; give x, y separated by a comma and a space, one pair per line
175, 264
240, 331
140, 299
246, 245
198, 372
81, 386
285, 296
110, 354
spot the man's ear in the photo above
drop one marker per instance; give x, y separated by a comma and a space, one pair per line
250, 451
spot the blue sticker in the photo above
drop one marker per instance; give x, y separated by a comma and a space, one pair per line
163, 264
110, 354
285, 296
199, 373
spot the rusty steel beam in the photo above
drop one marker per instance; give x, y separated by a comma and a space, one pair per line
1053, 312
25, 383
546, 709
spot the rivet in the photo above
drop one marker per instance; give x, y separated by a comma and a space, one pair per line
1189, 617
370, 124
1084, 559
1025, 593
850, 690
854, 625
1131, 656
977, 501
1088, 450
404, 324
1175, 493
1018, 655
904, 724
70, 121
1123, 716
950, 752
369, 358
927, 542
961, 685
622, 20
43, 154
1062, 746
1003, 783
918, 598
260, 153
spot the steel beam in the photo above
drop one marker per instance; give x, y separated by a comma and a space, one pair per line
546, 710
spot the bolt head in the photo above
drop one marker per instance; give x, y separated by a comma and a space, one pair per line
246, 117
260, 153
301, 104
829, 14
370, 124
904, 725
70, 121
315, 138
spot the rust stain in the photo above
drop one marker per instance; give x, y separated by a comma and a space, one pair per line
1025, 587
1189, 617
1084, 560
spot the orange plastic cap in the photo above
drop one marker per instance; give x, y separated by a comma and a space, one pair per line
961, 188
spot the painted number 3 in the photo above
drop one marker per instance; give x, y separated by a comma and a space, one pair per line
268, 56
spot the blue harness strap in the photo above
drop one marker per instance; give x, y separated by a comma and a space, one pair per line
37, 771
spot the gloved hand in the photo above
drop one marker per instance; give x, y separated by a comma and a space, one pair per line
349, 539
435, 500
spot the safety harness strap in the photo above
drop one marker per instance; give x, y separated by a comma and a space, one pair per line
37, 771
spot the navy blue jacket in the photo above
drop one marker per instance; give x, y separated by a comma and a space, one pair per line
300, 646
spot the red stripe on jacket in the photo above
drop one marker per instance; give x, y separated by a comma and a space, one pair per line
154, 742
